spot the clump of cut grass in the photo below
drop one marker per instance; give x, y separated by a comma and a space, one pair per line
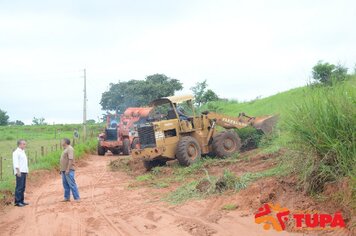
145, 177
184, 192
161, 184
210, 185
156, 170
323, 126
229, 207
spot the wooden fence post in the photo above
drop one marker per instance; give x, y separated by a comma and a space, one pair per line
0, 167
42, 151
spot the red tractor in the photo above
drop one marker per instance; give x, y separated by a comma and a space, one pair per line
121, 136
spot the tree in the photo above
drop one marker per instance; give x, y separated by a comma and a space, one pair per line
340, 72
91, 121
203, 95
209, 96
38, 121
322, 72
325, 73
138, 92
198, 91
4, 118
19, 123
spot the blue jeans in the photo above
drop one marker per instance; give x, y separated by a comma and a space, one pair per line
20, 188
70, 185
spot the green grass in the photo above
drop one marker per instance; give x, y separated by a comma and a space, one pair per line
180, 173
273, 105
47, 162
184, 192
49, 137
323, 127
144, 177
229, 207
42, 132
210, 185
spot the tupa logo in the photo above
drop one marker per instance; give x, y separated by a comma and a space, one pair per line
276, 217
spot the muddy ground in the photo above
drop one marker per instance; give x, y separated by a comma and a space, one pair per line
111, 206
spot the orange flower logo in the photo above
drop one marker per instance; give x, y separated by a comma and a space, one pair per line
272, 215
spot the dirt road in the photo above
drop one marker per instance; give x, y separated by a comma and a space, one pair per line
110, 207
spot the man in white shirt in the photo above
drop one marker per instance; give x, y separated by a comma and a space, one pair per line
20, 164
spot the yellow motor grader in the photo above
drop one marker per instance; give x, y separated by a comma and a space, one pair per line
174, 131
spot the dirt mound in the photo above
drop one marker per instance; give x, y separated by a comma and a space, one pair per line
127, 164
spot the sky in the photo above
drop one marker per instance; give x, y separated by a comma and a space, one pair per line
244, 49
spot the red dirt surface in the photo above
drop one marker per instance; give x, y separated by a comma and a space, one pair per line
110, 206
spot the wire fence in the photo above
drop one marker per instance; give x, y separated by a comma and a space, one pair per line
36, 153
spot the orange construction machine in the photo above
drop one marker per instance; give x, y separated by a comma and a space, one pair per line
121, 134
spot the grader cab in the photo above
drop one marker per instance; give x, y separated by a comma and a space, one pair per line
175, 131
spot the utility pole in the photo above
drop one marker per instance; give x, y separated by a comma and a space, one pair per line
85, 107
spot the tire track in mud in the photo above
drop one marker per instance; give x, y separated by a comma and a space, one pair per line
36, 213
207, 227
119, 229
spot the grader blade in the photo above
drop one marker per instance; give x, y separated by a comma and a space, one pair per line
265, 123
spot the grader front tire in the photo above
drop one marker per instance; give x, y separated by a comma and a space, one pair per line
188, 151
226, 144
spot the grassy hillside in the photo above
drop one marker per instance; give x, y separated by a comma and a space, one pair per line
317, 125
276, 104
280, 103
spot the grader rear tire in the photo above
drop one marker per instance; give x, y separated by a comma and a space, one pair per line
226, 144
188, 151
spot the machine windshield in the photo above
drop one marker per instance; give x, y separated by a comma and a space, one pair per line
163, 111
